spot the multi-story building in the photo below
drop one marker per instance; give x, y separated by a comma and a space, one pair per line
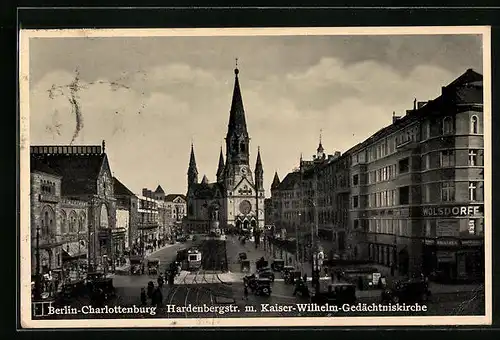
126, 214
147, 223
268, 212
86, 204
417, 186
176, 211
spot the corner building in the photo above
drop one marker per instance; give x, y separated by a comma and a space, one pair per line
417, 186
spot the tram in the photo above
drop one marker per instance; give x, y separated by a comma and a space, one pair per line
193, 259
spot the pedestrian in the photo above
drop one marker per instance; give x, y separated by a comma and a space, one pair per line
142, 268
304, 278
245, 293
144, 298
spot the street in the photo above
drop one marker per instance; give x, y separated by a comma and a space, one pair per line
207, 288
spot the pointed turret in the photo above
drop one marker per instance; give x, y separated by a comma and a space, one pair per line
276, 181
204, 180
220, 168
192, 170
320, 151
259, 172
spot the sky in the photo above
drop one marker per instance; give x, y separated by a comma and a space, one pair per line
149, 98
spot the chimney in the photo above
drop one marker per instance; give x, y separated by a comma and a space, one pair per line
415, 104
145, 192
337, 153
394, 117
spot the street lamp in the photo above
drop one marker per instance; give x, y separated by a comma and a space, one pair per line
37, 278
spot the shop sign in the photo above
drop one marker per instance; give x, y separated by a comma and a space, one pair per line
472, 243
452, 211
429, 242
447, 243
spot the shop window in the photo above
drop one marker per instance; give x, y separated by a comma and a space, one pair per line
404, 165
473, 191
404, 195
473, 158
447, 158
447, 191
447, 126
474, 125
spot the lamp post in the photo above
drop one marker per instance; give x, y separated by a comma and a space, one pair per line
37, 278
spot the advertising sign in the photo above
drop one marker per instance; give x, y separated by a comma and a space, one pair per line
452, 211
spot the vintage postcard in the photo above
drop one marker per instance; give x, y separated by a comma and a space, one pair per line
255, 177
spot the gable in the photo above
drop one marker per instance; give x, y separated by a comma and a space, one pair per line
244, 188
178, 199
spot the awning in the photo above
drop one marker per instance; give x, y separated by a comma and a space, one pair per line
74, 249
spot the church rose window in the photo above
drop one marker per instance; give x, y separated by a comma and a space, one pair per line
245, 207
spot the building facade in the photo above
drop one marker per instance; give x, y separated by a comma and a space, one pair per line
236, 199
86, 177
410, 196
419, 198
176, 212
126, 211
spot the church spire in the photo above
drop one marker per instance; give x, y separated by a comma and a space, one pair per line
259, 172
237, 121
320, 150
220, 168
204, 180
192, 170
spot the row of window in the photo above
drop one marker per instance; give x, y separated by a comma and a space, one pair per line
448, 192
386, 198
398, 227
48, 187
72, 225
448, 158
383, 174
389, 145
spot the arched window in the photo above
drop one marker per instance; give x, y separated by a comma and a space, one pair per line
447, 126
48, 219
45, 223
474, 125
64, 227
72, 222
81, 222
104, 223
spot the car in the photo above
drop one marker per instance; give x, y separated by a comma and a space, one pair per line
266, 273
336, 294
413, 290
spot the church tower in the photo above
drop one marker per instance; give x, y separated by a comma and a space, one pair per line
192, 170
237, 140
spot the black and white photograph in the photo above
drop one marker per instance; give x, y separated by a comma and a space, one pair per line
255, 177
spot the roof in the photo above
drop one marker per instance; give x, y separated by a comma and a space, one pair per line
159, 190
276, 181
79, 171
37, 165
171, 197
120, 189
289, 181
208, 190
466, 89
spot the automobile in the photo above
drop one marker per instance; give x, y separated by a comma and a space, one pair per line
413, 290
277, 265
136, 263
245, 266
301, 287
262, 287
335, 294
242, 256
261, 263
153, 266
363, 277
265, 273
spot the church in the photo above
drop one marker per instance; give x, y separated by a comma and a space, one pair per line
236, 199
